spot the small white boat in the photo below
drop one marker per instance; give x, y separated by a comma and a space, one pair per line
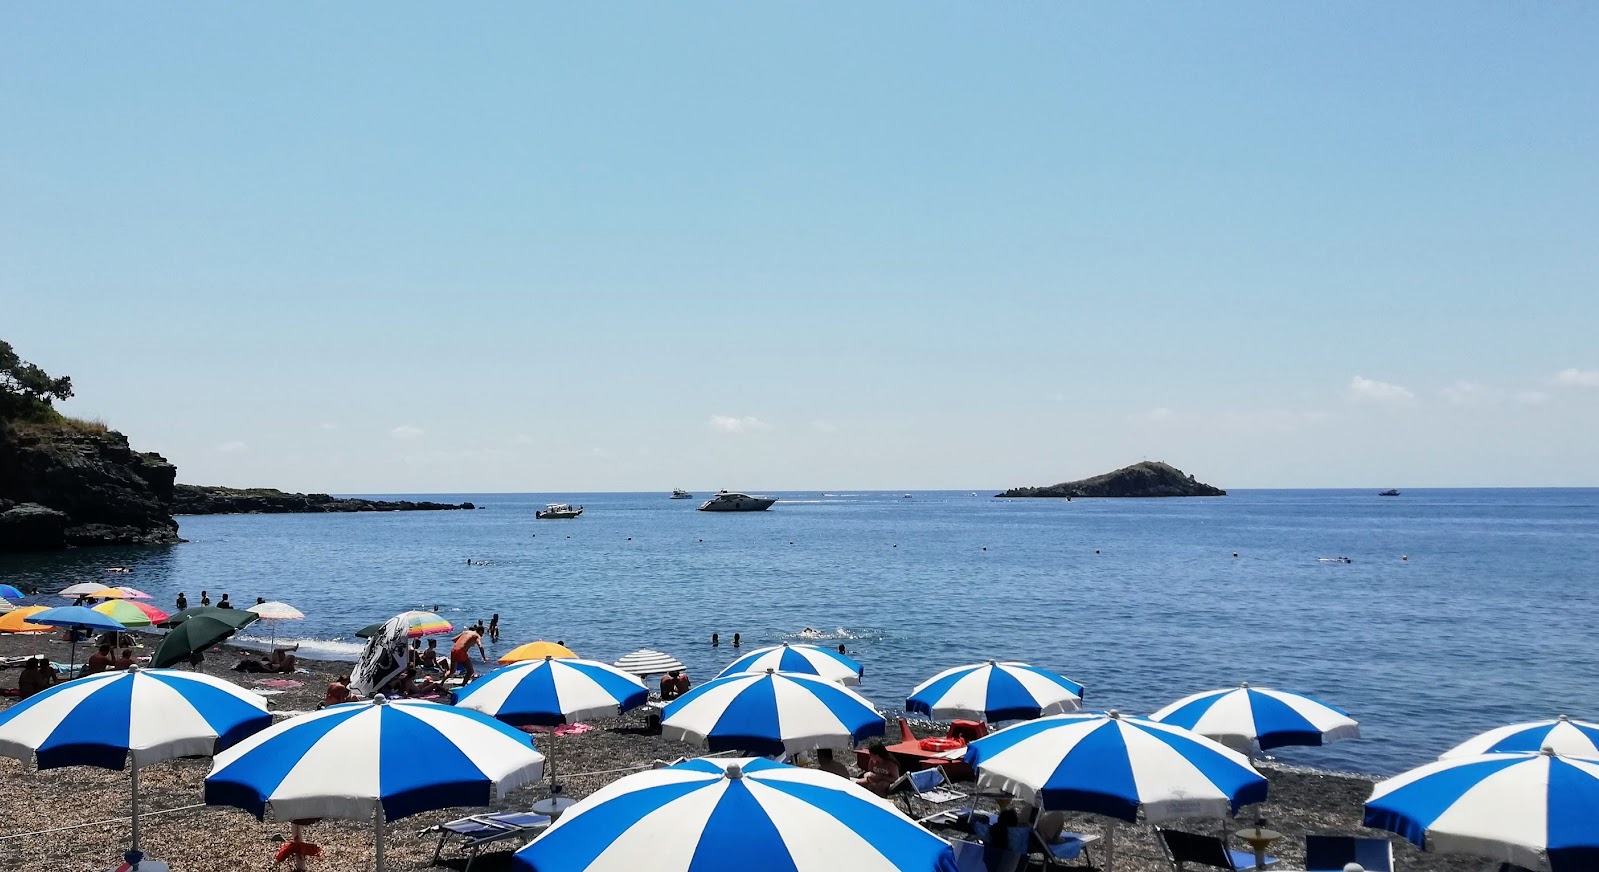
729, 501
907, 497
1334, 560
680, 494
558, 511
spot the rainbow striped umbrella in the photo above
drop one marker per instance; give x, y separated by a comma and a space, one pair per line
131, 614
417, 625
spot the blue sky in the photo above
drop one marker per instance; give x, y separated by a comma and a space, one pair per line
412, 248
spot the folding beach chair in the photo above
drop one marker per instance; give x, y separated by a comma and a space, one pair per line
1182, 848
1333, 853
925, 785
1051, 839
480, 830
972, 857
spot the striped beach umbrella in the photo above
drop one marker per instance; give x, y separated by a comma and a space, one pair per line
377, 761
995, 691
644, 662
273, 612
140, 716
131, 613
1535, 811
1245, 717
734, 814
798, 660
1563, 735
770, 713
1112, 765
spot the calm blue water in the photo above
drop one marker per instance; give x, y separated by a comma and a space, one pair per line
1490, 621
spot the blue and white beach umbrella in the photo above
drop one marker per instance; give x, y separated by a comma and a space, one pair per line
798, 660
553, 691
376, 761
1536, 811
1112, 765
995, 691
770, 713
706, 815
142, 716
1245, 717
1562, 735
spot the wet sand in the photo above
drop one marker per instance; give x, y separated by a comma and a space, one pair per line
205, 839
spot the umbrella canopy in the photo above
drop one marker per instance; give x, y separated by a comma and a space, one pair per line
734, 813
1243, 717
417, 625
1533, 810
645, 662
122, 593
1563, 735
238, 619
145, 716
194, 635
82, 617
10, 591
995, 691
770, 713
16, 620
87, 588
130, 613
550, 691
537, 651
798, 660
361, 759
1112, 765
276, 611
385, 656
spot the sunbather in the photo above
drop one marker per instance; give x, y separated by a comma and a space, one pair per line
882, 770
338, 691
826, 762
36, 675
283, 659
125, 659
99, 661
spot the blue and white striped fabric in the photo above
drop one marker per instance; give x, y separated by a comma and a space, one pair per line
771, 713
798, 660
1533, 810
553, 691
714, 815
1243, 717
347, 761
1562, 735
149, 715
995, 691
1112, 765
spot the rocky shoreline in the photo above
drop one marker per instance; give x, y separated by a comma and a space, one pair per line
1301, 801
1149, 478
77, 486
192, 499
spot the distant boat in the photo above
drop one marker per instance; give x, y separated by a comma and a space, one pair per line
1334, 560
907, 497
558, 512
729, 501
1391, 492
680, 494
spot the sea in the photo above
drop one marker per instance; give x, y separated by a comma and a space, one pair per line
1459, 610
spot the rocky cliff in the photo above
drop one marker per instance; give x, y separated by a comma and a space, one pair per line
1147, 479
81, 485
193, 499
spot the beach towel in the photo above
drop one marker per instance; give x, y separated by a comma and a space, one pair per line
278, 682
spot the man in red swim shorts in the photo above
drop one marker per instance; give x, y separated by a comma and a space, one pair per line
461, 652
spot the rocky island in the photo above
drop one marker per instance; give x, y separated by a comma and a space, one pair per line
1150, 478
193, 499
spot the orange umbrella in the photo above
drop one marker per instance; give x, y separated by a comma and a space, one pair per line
536, 651
15, 621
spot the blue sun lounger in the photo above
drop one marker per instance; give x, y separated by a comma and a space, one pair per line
481, 830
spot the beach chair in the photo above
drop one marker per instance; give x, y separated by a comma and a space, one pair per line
1182, 848
972, 857
1333, 853
1058, 846
925, 785
481, 830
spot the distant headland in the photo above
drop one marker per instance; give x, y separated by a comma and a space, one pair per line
1150, 478
194, 499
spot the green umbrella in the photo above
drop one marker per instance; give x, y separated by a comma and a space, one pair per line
195, 634
238, 619
370, 630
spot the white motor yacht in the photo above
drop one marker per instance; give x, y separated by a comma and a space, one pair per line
728, 501
680, 494
558, 511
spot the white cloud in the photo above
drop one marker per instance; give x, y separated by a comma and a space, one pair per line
821, 426
406, 431
233, 447
1369, 390
738, 426
1577, 378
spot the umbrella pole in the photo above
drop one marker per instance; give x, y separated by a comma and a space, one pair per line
377, 830
294, 836
135, 767
1110, 847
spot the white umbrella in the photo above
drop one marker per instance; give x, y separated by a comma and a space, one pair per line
645, 662
87, 588
275, 611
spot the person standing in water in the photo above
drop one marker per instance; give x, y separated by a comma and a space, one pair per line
494, 627
205, 598
183, 601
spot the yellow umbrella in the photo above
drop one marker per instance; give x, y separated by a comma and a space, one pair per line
536, 651
15, 621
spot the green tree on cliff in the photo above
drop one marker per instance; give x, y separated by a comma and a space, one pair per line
26, 391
